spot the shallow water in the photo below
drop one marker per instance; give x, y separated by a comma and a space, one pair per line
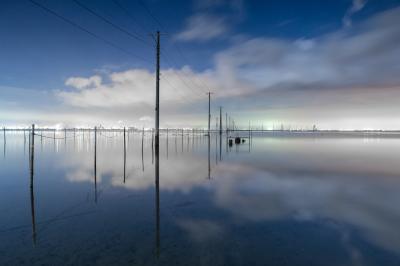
279, 200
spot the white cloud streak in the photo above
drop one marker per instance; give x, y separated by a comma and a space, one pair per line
356, 6
203, 27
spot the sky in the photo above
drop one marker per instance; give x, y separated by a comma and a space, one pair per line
333, 64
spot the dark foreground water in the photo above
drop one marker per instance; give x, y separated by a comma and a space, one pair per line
283, 200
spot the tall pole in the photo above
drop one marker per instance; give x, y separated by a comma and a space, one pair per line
158, 91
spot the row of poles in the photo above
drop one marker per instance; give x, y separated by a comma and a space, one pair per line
31, 145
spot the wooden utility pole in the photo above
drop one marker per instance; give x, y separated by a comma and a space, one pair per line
157, 91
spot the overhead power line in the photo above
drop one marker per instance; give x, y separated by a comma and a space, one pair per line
204, 87
151, 14
131, 16
48, 10
110, 22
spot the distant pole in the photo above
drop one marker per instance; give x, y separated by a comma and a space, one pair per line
157, 91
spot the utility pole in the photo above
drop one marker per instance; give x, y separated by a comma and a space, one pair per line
157, 91
209, 111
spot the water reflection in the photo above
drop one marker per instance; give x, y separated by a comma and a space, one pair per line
345, 189
95, 165
157, 198
32, 195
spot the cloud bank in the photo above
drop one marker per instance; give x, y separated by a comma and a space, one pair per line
346, 79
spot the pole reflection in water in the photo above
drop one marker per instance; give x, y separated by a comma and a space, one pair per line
125, 155
142, 149
209, 167
157, 196
95, 164
220, 147
24, 142
4, 142
176, 142
216, 148
31, 166
167, 143
152, 146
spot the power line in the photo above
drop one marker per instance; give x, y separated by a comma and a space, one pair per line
48, 10
129, 14
180, 52
121, 29
151, 14
110, 22
184, 82
169, 83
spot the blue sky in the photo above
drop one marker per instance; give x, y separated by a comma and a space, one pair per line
293, 62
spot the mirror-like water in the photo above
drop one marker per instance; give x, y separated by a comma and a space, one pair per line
279, 200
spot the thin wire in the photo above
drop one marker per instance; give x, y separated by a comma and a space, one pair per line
133, 35
151, 14
195, 77
86, 30
48, 137
110, 137
129, 14
163, 28
185, 98
188, 78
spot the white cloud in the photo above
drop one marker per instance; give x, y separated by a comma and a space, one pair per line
203, 27
137, 86
348, 74
82, 83
356, 6
366, 55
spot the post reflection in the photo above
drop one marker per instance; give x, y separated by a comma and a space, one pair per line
142, 150
220, 147
32, 195
125, 155
157, 197
4, 142
209, 165
95, 165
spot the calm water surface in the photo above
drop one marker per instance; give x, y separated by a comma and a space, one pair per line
283, 200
